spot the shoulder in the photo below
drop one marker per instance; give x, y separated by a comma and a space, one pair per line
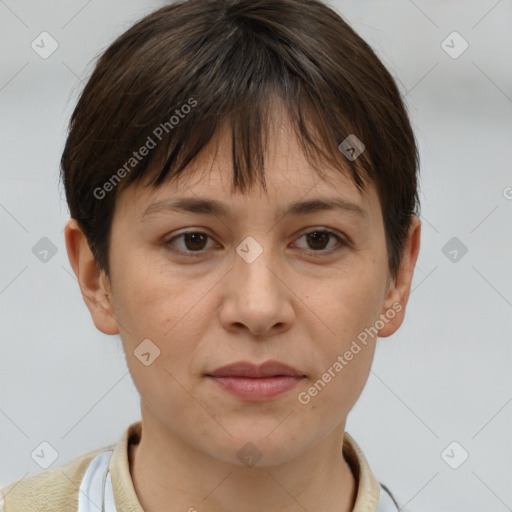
54, 489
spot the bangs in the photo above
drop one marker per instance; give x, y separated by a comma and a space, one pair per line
242, 83
250, 123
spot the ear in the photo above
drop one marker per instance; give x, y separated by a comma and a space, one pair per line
94, 284
398, 291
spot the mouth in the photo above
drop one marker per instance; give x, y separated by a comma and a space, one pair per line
256, 383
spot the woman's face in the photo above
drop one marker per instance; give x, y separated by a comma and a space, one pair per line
253, 284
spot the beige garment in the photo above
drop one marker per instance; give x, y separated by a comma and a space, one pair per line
56, 489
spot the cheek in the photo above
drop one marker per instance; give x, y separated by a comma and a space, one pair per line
163, 305
343, 360
349, 301
149, 298
344, 310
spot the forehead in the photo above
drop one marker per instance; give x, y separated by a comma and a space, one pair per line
289, 178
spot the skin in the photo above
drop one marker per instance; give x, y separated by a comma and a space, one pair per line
291, 304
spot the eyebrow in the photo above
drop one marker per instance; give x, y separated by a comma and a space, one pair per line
206, 206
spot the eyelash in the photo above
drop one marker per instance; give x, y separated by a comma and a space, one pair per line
320, 253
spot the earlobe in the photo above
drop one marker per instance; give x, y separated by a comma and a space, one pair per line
93, 283
399, 289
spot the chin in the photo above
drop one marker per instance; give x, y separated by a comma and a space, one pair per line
257, 446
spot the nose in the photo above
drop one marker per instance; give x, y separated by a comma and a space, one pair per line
257, 296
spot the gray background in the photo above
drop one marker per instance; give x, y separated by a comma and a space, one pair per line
443, 377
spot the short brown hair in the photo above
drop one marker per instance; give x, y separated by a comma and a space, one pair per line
223, 60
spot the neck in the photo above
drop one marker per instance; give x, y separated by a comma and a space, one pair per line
169, 474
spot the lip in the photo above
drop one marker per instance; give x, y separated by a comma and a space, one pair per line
256, 383
246, 369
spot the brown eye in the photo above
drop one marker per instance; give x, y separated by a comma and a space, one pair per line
195, 241
318, 241
192, 242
